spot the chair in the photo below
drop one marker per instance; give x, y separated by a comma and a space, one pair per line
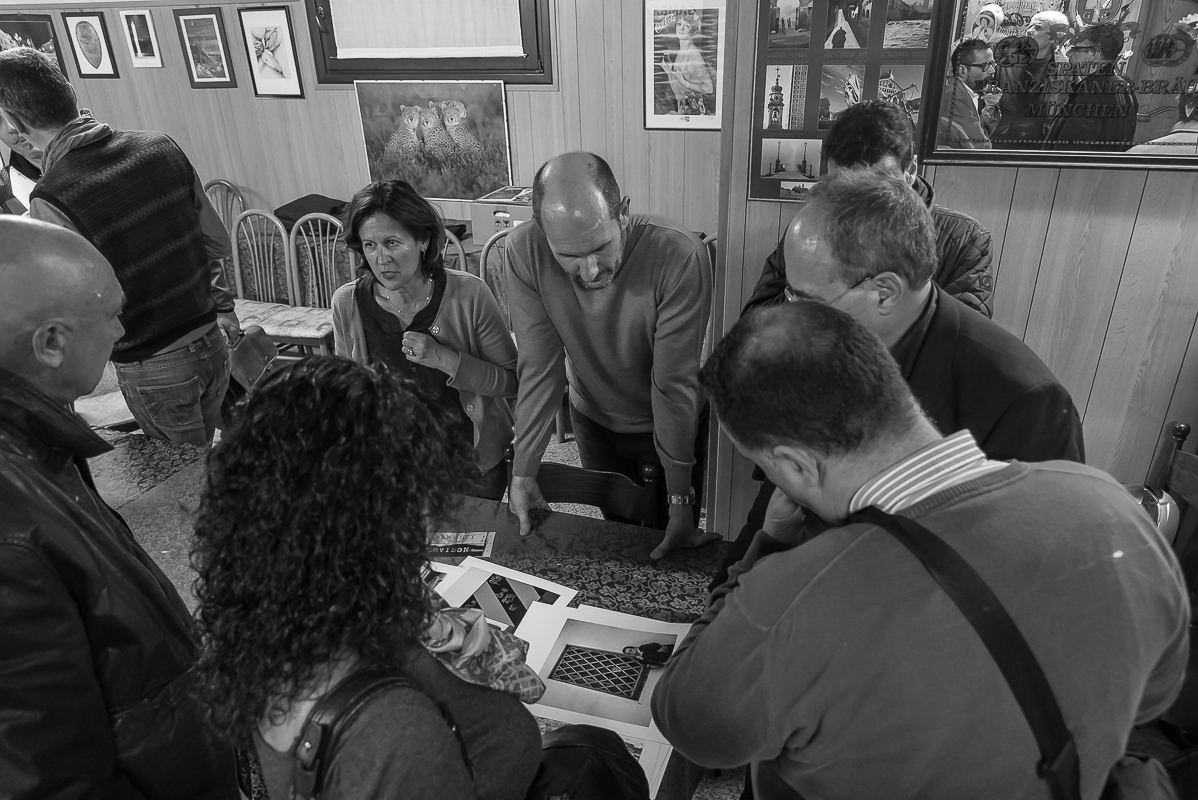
259, 247
320, 261
227, 200
611, 491
463, 264
266, 273
497, 282
709, 337
229, 203
1176, 473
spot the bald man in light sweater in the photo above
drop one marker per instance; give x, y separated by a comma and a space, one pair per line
626, 299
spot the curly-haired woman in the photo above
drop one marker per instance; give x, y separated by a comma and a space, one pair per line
438, 326
310, 542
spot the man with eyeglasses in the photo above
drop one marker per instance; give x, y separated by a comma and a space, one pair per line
962, 125
877, 135
866, 244
1100, 110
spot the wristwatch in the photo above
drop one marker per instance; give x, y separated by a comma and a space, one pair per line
687, 499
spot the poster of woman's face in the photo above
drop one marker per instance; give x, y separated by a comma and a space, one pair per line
684, 64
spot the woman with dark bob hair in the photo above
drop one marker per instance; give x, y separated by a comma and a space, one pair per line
437, 326
309, 547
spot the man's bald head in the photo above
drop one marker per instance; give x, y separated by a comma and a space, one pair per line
573, 184
576, 202
61, 300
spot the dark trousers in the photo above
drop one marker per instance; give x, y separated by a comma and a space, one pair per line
753, 523
489, 485
602, 449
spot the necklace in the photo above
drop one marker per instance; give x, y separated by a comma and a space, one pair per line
423, 303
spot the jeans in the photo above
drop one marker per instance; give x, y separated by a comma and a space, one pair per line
177, 395
600, 448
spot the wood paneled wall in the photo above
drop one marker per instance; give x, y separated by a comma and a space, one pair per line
280, 149
1097, 270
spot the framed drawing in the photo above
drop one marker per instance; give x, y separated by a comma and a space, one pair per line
138, 27
90, 44
684, 64
1110, 83
30, 30
815, 58
205, 48
270, 47
447, 138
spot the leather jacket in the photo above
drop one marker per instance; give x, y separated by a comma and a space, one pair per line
962, 259
95, 665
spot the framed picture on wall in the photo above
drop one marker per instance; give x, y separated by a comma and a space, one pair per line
270, 47
448, 139
815, 59
684, 64
90, 45
30, 30
138, 27
205, 48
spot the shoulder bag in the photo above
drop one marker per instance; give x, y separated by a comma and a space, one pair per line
332, 714
1131, 778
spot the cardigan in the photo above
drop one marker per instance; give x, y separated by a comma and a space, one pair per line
470, 322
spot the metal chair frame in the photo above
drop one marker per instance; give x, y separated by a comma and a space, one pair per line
610, 491
317, 235
263, 233
227, 200
450, 239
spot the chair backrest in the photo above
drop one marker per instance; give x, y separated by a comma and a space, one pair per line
1179, 477
227, 200
262, 258
496, 277
450, 239
709, 337
616, 493
320, 260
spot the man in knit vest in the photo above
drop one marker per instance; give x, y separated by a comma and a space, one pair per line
620, 301
137, 198
840, 667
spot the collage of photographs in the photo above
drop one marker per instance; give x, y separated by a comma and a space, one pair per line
814, 59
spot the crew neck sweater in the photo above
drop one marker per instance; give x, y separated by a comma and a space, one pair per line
841, 669
632, 349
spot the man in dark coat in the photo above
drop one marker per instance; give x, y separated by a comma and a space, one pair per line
1100, 110
1033, 76
877, 135
97, 646
966, 371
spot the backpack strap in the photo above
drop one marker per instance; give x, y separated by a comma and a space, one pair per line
1059, 765
330, 717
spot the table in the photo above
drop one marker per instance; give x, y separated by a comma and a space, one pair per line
608, 562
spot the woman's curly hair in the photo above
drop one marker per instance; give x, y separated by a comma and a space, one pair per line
311, 534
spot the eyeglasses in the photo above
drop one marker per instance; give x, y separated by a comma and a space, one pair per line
984, 65
794, 295
1085, 48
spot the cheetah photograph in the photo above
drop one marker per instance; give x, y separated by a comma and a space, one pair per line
446, 138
